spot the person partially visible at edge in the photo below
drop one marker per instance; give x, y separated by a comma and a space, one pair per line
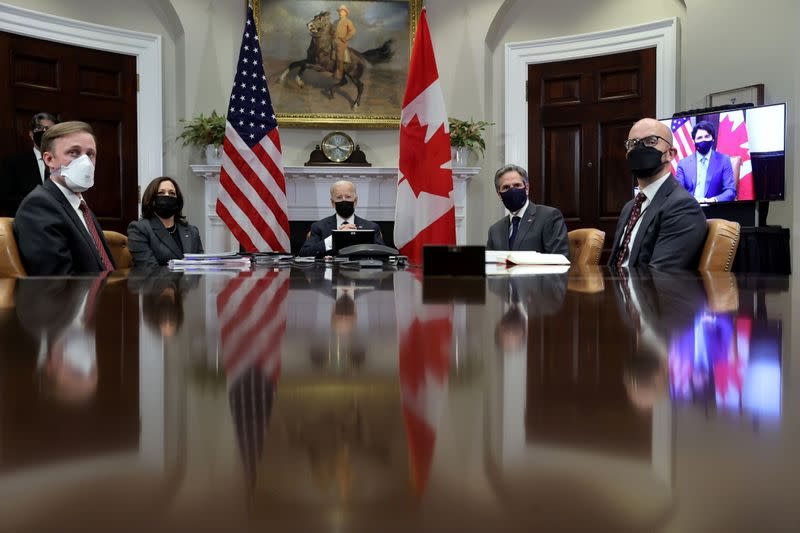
663, 227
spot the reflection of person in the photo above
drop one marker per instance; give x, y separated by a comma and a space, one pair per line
342, 33
56, 232
61, 313
21, 173
663, 227
528, 226
162, 233
344, 200
162, 296
707, 174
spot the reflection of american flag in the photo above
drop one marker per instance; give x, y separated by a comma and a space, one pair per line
252, 316
252, 196
682, 139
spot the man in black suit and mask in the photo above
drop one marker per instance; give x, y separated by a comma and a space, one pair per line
21, 173
343, 200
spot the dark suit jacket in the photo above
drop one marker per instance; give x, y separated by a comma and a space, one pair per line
322, 229
540, 295
720, 183
542, 229
151, 244
671, 232
51, 238
19, 175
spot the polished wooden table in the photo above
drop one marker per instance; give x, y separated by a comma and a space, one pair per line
323, 399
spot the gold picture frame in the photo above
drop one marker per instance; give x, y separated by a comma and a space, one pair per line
753, 94
316, 100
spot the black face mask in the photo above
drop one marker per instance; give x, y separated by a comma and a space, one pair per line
345, 208
645, 161
703, 146
37, 138
166, 206
514, 198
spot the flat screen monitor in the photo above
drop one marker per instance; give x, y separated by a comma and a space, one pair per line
351, 237
744, 152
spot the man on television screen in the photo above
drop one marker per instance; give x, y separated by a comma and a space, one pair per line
707, 174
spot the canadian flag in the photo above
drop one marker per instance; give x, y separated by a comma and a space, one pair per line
733, 140
425, 212
425, 334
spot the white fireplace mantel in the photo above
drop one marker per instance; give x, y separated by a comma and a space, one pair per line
308, 195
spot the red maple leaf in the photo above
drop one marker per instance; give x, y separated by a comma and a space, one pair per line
421, 162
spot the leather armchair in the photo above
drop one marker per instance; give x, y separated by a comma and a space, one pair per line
10, 262
721, 244
585, 246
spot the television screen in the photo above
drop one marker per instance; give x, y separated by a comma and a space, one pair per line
733, 155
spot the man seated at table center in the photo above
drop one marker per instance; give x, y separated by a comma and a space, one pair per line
344, 200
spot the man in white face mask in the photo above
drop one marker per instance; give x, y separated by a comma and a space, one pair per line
56, 232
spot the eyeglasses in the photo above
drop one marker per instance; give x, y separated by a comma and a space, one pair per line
650, 141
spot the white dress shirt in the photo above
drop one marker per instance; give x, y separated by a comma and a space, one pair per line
75, 201
650, 192
702, 174
39, 161
339, 221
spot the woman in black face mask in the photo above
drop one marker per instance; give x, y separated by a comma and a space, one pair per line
162, 233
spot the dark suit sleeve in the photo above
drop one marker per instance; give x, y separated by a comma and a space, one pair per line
378, 234
315, 243
41, 239
139, 245
680, 174
681, 236
728, 181
555, 238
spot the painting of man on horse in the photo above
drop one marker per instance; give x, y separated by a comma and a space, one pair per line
339, 70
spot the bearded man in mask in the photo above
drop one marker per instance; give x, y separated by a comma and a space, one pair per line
707, 174
663, 227
56, 232
344, 200
527, 226
23, 172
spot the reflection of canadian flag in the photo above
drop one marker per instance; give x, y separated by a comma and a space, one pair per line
425, 333
425, 212
733, 140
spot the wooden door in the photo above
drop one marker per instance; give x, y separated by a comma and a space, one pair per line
76, 83
579, 114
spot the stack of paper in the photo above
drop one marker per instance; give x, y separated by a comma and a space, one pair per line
504, 262
210, 262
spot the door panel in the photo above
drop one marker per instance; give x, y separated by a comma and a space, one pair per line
76, 83
584, 174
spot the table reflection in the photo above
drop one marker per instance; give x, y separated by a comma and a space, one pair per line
342, 399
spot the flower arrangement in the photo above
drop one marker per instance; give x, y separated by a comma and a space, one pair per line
202, 131
468, 134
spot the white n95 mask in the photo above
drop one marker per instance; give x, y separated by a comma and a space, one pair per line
79, 174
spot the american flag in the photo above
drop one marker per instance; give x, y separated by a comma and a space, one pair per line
252, 196
682, 139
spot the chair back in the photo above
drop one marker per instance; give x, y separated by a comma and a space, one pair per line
10, 262
118, 244
586, 245
722, 241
